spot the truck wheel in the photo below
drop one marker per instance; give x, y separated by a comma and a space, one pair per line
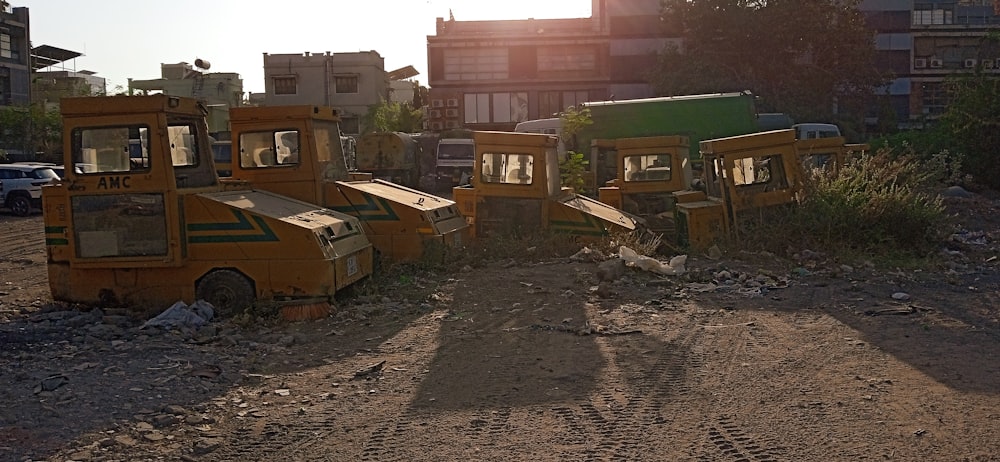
20, 205
228, 291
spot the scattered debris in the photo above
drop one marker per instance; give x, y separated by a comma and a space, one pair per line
370, 370
891, 311
672, 268
180, 315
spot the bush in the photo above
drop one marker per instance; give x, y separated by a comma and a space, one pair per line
875, 205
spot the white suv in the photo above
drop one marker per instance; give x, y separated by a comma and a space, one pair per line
21, 186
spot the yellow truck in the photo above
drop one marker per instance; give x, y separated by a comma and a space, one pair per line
742, 174
295, 151
648, 171
515, 188
151, 224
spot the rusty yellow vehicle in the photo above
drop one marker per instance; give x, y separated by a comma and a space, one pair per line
150, 224
648, 171
390, 156
515, 189
295, 151
742, 174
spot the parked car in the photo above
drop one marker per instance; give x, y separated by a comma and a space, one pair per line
21, 186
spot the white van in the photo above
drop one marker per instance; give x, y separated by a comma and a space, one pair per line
551, 126
455, 158
813, 131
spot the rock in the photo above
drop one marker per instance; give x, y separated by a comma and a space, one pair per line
165, 420
206, 445
901, 296
125, 440
175, 409
611, 270
714, 252
956, 191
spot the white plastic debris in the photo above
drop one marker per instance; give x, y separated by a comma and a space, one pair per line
180, 314
672, 268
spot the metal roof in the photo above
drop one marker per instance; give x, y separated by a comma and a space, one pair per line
403, 73
46, 55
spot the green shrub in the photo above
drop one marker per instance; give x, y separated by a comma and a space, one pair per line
875, 205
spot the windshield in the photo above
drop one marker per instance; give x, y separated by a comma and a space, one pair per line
43, 173
456, 151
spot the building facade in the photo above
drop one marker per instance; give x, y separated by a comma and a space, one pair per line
15, 57
922, 43
47, 87
219, 90
489, 75
349, 82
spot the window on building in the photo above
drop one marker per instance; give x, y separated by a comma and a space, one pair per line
495, 107
5, 47
934, 99
285, 85
926, 14
350, 126
567, 60
345, 83
551, 103
476, 64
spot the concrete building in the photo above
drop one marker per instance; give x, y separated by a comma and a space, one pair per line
47, 87
219, 90
15, 56
923, 43
349, 82
489, 75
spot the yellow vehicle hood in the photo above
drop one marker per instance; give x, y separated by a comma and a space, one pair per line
599, 210
288, 210
400, 194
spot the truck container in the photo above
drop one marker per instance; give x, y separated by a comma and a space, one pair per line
389, 156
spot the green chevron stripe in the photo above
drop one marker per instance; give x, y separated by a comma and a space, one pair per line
60, 230
587, 227
374, 209
265, 234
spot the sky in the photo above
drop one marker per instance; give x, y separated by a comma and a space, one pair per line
122, 39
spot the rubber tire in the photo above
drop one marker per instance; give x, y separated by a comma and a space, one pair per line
228, 291
19, 205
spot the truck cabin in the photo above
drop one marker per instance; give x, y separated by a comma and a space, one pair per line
752, 171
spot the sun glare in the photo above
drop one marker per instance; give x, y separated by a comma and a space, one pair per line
477, 10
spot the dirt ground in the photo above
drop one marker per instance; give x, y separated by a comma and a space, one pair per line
745, 358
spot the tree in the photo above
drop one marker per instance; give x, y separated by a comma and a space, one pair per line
574, 166
972, 120
392, 117
811, 59
31, 129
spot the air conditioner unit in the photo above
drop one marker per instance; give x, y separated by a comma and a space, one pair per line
970, 63
451, 112
437, 103
935, 63
451, 124
452, 102
988, 63
919, 63
438, 126
435, 113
